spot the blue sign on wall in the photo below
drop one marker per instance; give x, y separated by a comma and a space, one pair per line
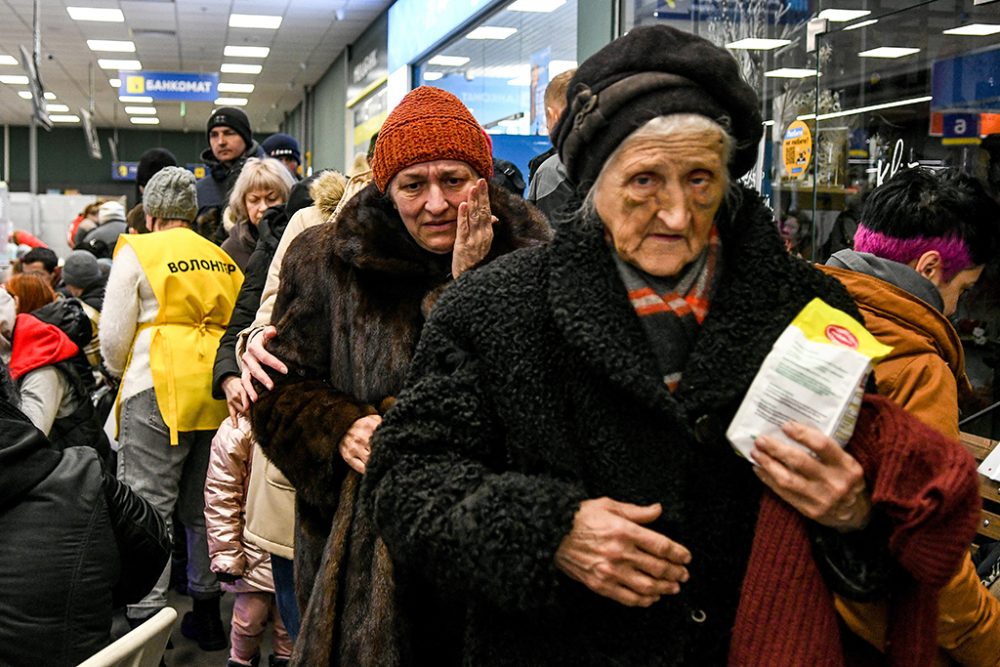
176, 86
123, 171
967, 83
961, 125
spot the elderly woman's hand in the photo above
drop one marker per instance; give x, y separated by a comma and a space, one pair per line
254, 360
610, 552
827, 486
474, 234
356, 445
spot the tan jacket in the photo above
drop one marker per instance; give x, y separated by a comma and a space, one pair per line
270, 508
308, 217
924, 373
225, 504
926, 369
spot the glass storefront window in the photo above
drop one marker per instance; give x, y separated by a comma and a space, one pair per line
500, 67
888, 86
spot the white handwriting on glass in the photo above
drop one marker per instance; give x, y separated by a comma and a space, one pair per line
883, 173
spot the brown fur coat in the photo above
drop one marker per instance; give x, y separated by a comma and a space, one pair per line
353, 298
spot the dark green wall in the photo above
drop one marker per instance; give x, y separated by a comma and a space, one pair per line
63, 161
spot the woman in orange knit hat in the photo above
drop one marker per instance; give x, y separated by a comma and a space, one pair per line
352, 302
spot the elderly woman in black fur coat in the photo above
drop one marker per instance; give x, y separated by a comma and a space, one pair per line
349, 311
558, 463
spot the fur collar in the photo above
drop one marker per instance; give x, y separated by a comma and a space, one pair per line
760, 291
326, 191
370, 235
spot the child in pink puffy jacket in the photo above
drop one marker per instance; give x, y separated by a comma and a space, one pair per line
242, 567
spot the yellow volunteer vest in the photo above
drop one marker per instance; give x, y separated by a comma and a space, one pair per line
196, 284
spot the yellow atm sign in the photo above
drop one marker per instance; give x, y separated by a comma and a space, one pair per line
135, 85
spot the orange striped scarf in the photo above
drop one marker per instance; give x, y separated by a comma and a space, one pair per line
672, 310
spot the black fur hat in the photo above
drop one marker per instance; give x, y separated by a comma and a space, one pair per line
653, 71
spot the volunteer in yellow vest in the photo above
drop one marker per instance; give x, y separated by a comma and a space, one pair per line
168, 301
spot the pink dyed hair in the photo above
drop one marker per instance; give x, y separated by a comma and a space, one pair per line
955, 255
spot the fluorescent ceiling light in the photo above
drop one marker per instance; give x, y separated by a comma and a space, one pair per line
96, 14
50, 96
144, 120
8, 60
115, 83
58, 108
790, 73
491, 32
140, 111
236, 87
539, 6
240, 68
758, 44
433, 76
140, 99
888, 52
975, 29
246, 51
119, 46
842, 15
64, 119
111, 63
448, 61
24, 94
520, 81
14, 79
862, 24
231, 101
254, 21
873, 107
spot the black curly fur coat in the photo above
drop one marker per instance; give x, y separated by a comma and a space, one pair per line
353, 298
534, 388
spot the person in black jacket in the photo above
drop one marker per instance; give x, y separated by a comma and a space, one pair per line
270, 229
77, 544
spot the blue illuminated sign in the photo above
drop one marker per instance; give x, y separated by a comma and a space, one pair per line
176, 86
123, 171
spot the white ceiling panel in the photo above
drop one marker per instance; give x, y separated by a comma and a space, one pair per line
181, 35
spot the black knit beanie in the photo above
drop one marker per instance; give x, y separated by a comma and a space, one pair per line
151, 162
234, 118
653, 71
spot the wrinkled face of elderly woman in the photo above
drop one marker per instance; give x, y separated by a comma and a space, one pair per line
427, 196
658, 195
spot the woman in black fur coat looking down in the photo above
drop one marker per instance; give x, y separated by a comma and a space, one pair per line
558, 460
353, 298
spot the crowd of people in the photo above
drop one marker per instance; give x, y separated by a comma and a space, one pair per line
414, 415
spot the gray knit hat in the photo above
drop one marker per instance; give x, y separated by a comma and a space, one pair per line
171, 195
81, 270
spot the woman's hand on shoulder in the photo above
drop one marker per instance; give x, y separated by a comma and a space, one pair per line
825, 483
610, 552
355, 446
474, 234
256, 358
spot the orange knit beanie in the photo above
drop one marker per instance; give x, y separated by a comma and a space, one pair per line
429, 124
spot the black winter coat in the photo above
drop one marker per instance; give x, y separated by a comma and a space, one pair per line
269, 232
215, 186
354, 295
533, 388
77, 543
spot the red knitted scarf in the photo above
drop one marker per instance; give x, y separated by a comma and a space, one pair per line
926, 485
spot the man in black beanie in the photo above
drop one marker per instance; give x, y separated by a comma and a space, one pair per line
231, 144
